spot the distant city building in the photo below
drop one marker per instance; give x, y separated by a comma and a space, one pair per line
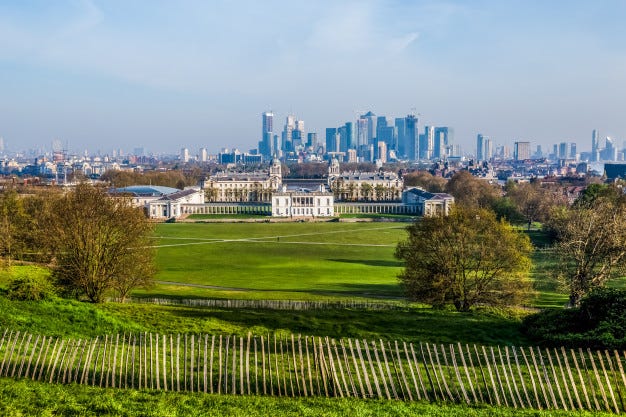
332, 140
381, 152
311, 140
444, 136
266, 145
484, 148
522, 151
411, 137
184, 154
203, 155
428, 143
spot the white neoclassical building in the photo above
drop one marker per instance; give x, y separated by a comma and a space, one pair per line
427, 204
160, 202
303, 203
243, 187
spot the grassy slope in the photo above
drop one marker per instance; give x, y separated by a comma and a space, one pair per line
27, 398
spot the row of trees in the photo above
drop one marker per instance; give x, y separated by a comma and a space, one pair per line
474, 256
94, 244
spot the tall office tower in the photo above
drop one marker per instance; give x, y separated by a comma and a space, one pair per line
563, 150
522, 151
290, 125
203, 155
381, 151
343, 142
411, 137
386, 133
371, 127
427, 145
266, 146
572, 150
361, 135
488, 149
350, 142
595, 140
400, 124
311, 140
184, 154
332, 144
276, 147
441, 142
1, 144
352, 155
297, 134
480, 147
346, 137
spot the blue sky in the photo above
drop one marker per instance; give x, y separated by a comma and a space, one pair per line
162, 74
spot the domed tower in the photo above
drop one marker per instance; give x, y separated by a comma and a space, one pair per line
276, 176
333, 168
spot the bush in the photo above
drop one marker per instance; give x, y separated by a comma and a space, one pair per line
599, 323
30, 288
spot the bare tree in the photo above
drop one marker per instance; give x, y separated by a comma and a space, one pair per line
591, 244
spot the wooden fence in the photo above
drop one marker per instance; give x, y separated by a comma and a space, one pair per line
272, 304
301, 366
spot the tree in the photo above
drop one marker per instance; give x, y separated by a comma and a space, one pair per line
466, 258
591, 244
100, 244
533, 202
471, 191
425, 180
13, 220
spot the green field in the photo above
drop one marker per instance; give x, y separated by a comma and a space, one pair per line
27, 398
279, 260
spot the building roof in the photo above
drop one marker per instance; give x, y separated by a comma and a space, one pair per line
428, 195
178, 194
145, 190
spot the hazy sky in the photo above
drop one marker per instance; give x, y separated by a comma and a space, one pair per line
167, 74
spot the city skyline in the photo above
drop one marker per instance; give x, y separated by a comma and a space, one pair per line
102, 75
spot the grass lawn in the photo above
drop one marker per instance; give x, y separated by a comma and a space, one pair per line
28, 398
279, 260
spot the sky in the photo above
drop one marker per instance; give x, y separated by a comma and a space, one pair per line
162, 75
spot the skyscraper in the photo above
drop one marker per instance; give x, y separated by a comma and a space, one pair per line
332, 144
480, 147
522, 151
400, 124
443, 139
266, 147
427, 145
290, 125
411, 137
370, 119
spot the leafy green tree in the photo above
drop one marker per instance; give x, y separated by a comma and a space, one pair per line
100, 244
465, 259
591, 244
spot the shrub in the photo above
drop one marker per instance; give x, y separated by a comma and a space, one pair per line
30, 288
599, 322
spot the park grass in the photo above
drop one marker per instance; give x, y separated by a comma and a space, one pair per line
29, 398
284, 260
